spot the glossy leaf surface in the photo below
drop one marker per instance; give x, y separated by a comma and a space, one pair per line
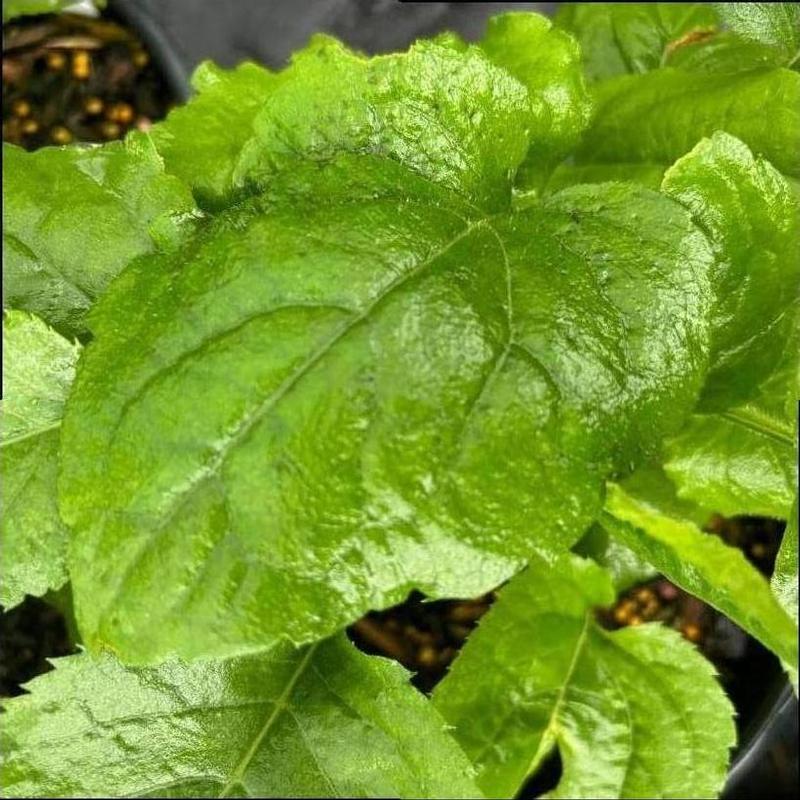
651, 523
326, 721
318, 406
39, 365
539, 673
776, 25
74, 217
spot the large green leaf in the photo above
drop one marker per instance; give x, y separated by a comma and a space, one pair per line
326, 721
248, 124
319, 404
649, 520
622, 38
75, 216
657, 117
539, 673
200, 142
776, 25
38, 369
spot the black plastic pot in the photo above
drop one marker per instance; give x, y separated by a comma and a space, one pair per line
182, 33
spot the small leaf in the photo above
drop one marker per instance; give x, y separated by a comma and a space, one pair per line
39, 367
622, 38
75, 216
653, 526
547, 61
326, 721
539, 673
785, 578
660, 116
776, 25
200, 142
19, 8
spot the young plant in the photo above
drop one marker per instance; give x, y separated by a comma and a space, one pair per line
366, 325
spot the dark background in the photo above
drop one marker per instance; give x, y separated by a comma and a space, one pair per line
268, 31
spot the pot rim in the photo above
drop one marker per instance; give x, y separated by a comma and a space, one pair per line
161, 47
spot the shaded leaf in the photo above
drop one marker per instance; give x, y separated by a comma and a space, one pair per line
39, 366
75, 216
622, 38
649, 521
323, 722
539, 673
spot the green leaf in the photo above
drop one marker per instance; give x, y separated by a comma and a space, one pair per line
785, 579
652, 525
742, 458
19, 8
450, 115
547, 62
774, 24
539, 673
657, 117
722, 53
622, 564
741, 461
326, 721
567, 174
752, 217
319, 404
201, 141
622, 38
75, 216
39, 367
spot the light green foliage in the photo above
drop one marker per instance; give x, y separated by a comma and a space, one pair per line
651, 522
380, 361
776, 25
75, 216
740, 455
325, 721
753, 218
657, 117
38, 369
785, 578
547, 62
201, 141
622, 38
447, 114
540, 673
370, 349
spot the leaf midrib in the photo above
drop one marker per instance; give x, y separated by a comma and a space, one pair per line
281, 704
248, 422
759, 425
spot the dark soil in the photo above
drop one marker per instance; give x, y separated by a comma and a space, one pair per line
73, 78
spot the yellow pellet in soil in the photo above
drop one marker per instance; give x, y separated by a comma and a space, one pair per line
56, 60
60, 135
81, 65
